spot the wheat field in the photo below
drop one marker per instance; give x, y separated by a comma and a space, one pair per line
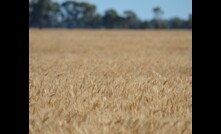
110, 82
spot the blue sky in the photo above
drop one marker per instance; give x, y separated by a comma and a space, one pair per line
143, 8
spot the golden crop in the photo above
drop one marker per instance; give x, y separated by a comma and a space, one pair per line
110, 82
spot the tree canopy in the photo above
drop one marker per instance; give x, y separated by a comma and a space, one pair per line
74, 14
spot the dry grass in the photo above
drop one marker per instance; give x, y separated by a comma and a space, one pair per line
110, 82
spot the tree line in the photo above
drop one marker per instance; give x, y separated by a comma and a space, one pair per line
73, 14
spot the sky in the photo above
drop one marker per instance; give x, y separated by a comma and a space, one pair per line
144, 8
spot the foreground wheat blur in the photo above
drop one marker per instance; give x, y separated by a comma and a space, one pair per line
110, 82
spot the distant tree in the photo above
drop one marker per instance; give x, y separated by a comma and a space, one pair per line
87, 14
132, 20
177, 23
70, 13
120, 22
164, 24
96, 21
158, 13
110, 18
144, 25
54, 15
73, 13
39, 12
190, 21
79, 14
157, 17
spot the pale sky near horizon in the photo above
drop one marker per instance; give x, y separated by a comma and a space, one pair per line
143, 8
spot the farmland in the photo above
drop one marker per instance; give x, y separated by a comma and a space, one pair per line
110, 82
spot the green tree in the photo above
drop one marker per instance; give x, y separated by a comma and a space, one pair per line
96, 21
158, 23
54, 15
110, 18
144, 25
176, 23
87, 14
39, 12
190, 21
132, 20
70, 13
158, 13
79, 14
